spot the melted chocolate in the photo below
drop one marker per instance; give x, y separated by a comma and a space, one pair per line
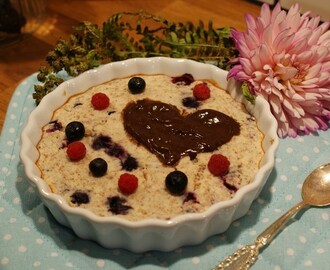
162, 129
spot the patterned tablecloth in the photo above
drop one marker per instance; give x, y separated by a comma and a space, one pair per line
30, 238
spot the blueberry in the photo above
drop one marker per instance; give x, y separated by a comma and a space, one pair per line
79, 197
98, 167
101, 142
54, 125
74, 131
190, 102
185, 79
136, 85
129, 164
176, 182
117, 205
115, 150
191, 197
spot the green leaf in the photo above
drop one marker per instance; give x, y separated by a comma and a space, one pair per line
247, 93
188, 38
173, 37
125, 35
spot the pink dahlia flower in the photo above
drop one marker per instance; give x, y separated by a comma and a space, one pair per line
285, 58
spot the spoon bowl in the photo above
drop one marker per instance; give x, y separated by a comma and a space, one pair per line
315, 192
316, 187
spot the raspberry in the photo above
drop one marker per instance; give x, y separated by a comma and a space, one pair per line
76, 151
127, 183
201, 91
100, 101
218, 165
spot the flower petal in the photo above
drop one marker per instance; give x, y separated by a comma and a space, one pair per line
285, 59
325, 37
265, 14
277, 12
265, 55
313, 39
250, 21
283, 42
246, 66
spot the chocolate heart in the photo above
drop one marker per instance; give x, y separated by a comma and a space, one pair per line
164, 131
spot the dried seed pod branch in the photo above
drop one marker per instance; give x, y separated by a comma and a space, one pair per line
126, 35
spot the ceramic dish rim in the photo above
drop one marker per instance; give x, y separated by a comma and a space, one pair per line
45, 192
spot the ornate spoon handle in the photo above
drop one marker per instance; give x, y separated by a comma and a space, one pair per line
269, 233
242, 259
245, 257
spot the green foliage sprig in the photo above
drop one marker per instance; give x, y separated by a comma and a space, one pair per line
127, 35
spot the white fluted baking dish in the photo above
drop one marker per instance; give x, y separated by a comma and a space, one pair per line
149, 234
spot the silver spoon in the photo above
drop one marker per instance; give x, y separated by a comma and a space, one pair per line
315, 192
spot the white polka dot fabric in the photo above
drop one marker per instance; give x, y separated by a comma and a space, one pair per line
30, 238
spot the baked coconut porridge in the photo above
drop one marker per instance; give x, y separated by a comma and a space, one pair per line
150, 146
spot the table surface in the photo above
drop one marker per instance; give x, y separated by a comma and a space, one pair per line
25, 57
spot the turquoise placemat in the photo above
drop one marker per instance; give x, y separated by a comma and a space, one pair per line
30, 238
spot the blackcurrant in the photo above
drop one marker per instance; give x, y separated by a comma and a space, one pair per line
136, 85
176, 182
74, 131
98, 167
